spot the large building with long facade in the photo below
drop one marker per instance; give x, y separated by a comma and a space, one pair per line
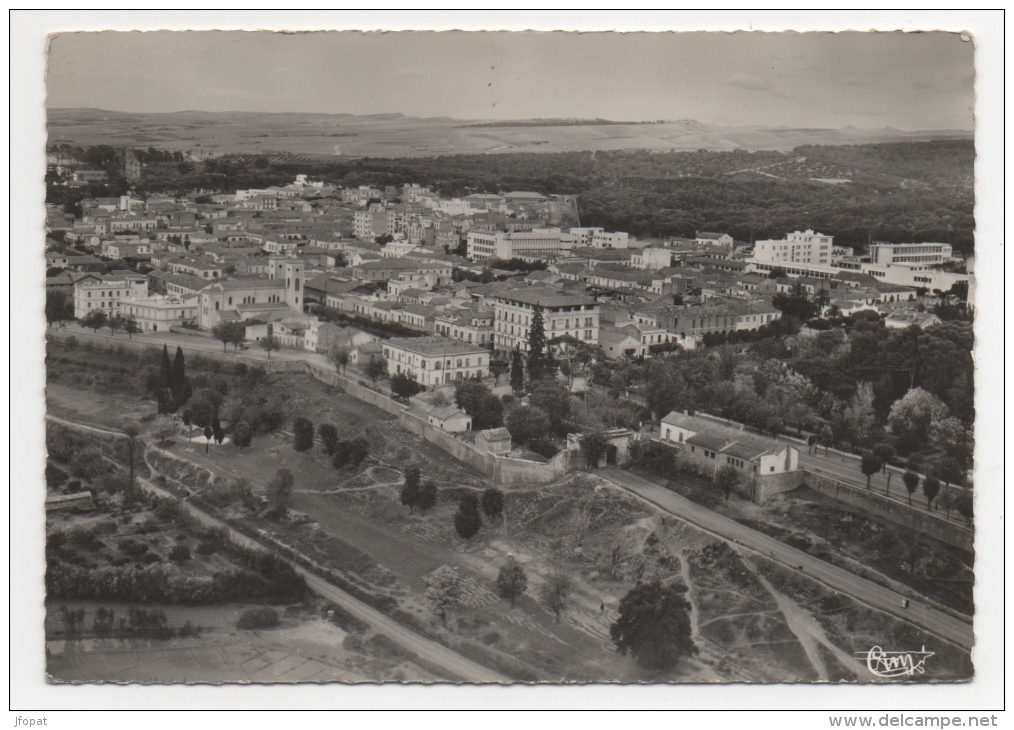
886, 254
504, 245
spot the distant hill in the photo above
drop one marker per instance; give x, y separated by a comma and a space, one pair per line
396, 135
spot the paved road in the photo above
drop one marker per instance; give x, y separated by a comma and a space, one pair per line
453, 664
876, 596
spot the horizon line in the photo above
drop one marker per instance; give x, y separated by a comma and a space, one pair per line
494, 120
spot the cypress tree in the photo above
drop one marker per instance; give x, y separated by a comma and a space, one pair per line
178, 376
537, 360
178, 381
164, 371
217, 432
517, 371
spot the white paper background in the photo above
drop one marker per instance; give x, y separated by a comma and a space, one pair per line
32, 697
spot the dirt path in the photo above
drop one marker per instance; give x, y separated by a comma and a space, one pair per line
865, 591
804, 625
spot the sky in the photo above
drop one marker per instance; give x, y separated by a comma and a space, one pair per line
904, 80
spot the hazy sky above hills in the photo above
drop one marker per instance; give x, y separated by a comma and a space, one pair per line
905, 80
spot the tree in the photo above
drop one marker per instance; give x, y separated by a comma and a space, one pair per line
280, 491
165, 428
217, 432
496, 369
555, 591
654, 626
931, 488
913, 417
209, 433
427, 496
594, 444
492, 502
179, 554
727, 478
478, 401
554, 399
774, 425
538, 357
241, 434
964, 505
870, 464
527, 423
302, 434
884, 452
229, 333
116, 323
911, 480
327, 436
203, 406
179, 386
512, 580
404, 385
410, 489
163, 379
59, 306
94, 320
826, 437
517, 371
467, 519
340, 356
269, 343
358, 449
376, 368
132, 429
130, 326
443, 591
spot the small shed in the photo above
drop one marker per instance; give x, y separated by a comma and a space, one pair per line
494, 441
450, 419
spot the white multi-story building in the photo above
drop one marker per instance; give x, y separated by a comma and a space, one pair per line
562, 314
158, 313
435, 360
485, 245
801, 247
108, 292
377, 220
617, 239
886, 254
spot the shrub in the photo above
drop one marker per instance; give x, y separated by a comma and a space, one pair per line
55, 476
302, 430
132, 547
261, 617
353, 642
151, 558
179, 554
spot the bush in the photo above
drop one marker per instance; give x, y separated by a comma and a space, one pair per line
544, 447
132, 547
261, 617
353, 642
151, 558
179, 554
55, 476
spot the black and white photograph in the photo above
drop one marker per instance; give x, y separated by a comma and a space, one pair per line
511, 357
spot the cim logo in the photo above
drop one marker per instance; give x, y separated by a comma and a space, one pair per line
895, 663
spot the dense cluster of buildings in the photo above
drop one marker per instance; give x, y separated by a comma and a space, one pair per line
268, 258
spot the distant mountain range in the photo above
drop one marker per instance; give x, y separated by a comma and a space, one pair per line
396, 135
